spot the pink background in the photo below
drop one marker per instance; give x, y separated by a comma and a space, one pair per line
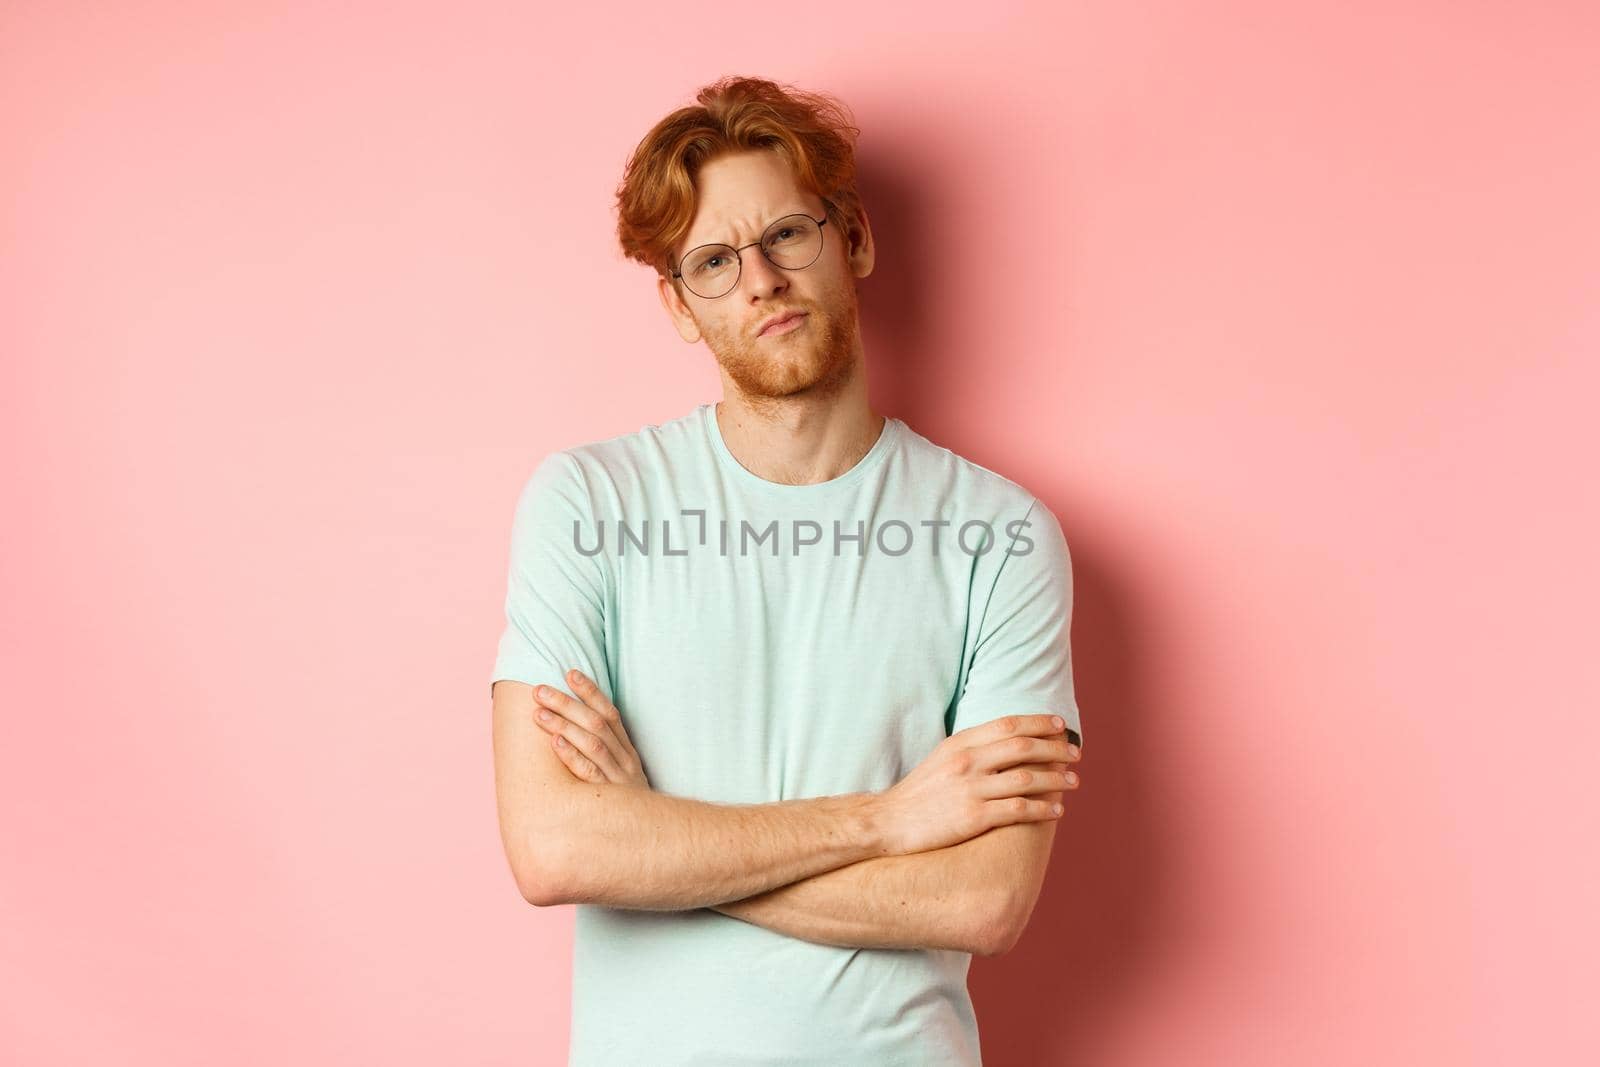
1289, 311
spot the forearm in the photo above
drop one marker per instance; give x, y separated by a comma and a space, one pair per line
935, 899
636, 848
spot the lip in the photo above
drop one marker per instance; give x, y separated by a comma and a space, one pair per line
782, 324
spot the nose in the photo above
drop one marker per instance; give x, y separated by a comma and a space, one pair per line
759, 276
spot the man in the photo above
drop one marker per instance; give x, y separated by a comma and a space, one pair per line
784, 696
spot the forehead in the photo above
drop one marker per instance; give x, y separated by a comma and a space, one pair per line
738, 195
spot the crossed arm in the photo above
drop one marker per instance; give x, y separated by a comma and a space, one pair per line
975, 896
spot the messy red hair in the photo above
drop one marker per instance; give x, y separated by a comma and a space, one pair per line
813, 131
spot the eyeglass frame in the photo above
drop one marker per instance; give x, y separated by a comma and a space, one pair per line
738, 253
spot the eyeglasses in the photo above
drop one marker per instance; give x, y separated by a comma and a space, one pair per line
793, 242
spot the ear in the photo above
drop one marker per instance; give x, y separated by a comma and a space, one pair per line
859, 250
677, 310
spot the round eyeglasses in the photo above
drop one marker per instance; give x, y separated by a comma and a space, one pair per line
793, 242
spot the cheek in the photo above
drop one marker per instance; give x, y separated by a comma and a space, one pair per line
836, 284
722, 331
835, 300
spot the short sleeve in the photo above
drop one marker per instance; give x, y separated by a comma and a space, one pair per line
1021, 662
555, 593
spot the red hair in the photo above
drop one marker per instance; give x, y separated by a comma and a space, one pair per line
813, 131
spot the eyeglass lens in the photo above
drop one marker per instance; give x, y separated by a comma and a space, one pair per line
792, 242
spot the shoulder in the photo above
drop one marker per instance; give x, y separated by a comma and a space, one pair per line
605, 469
611, 466
961, 484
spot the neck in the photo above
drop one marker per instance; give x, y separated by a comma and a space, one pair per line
799, 440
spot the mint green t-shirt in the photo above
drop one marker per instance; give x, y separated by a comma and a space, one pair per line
770, 642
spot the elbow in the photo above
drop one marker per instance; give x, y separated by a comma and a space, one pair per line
993, 943
545, 849
538, 890
1006, 942
1000, 929
541, 879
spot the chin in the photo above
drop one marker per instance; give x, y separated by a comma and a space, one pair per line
780, 366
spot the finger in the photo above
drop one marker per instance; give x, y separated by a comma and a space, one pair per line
1012, 726
1049, 766
1021, 809
576, 762
580, 741
1026, 781
596, 698
1020, 748
589, 722
587, 714
1070, 777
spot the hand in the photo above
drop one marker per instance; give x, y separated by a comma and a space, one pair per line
587, 733
963, 788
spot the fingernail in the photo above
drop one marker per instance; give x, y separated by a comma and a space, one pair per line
1060, 723
1073, 751
1072, 779
545, 715
543, 692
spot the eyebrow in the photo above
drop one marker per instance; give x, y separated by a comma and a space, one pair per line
687, 248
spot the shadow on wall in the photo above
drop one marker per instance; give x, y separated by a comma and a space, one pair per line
1097, 929
1093, 935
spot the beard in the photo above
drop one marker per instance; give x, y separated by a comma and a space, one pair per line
815, 359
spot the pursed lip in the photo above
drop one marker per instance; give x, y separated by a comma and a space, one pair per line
778, 320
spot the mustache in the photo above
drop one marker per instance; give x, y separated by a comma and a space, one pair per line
770, 315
